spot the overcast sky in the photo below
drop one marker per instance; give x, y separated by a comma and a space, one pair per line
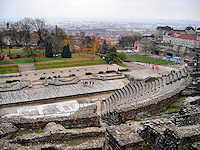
122, 9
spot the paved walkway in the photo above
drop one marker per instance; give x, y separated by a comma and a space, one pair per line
142, 70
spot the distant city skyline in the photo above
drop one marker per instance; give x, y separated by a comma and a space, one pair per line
108, 9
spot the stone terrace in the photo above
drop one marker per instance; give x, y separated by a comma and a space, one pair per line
31, 95
141, 97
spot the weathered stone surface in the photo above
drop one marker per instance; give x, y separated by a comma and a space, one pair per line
45, 93
84, 117
7, 129
52, 127
163, 134
124, 136
51, 134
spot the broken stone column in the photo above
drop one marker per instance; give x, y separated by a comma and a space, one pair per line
29, 84
45, 81
18, 85
57, 81
53, 80
24, 84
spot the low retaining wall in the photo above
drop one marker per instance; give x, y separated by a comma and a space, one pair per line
59, 136
84, 117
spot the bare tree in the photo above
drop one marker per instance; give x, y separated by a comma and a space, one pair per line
80, 41
26, 27
41, 29
57, 39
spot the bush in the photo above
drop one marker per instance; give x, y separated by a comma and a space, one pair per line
88, 73
122, 56
55, 76
17, 56
110, 71
72, 75
49, 78
101, 72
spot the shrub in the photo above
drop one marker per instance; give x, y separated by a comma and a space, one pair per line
88, 73
17, 56
55, 76
49, 78
101, 72
110, 71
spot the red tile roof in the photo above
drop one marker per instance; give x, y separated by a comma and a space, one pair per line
192, 37
173, 32
107, 40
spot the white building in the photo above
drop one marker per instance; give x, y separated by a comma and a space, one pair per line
176, 38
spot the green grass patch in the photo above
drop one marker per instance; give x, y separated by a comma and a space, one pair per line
8, 69
12, 51
171, 110
63, 64
5, 62
146, 59
40, 59
121, 64
178, 102
20, 133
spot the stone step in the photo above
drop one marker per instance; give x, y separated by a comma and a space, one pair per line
23, 68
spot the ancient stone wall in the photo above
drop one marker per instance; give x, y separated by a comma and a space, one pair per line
163, 134
55, 135
84, 117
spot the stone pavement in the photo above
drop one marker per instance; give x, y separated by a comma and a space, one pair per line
57, 92
66, 108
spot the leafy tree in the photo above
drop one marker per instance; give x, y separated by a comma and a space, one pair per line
57, 40
48, 50
122, 56
66, 52
104, 48
32, 52
129, 41
112, 53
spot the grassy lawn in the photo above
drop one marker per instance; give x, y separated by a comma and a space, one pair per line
8, 69
5, 62
97, 61
13, 51
146, 59
39, 59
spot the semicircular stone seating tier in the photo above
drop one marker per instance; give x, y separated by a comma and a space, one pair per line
136, 93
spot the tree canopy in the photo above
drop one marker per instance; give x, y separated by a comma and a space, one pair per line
66, 52
112, 53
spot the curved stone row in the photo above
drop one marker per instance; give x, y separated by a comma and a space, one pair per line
137, 94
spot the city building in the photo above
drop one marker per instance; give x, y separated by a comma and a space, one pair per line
161, 30
186, 40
